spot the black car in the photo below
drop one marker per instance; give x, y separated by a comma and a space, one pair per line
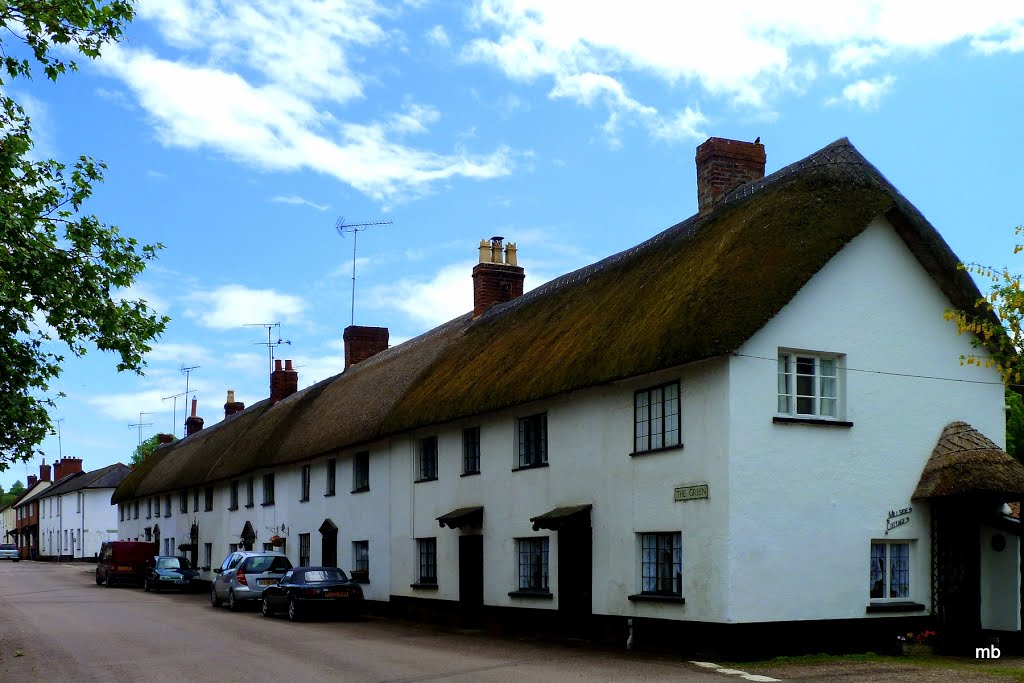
167, 571
305, 590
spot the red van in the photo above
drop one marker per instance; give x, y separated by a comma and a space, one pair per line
124, 562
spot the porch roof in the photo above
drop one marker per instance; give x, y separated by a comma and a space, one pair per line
966, 463
463, 517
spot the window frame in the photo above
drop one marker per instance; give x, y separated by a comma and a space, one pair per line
664, 419
361, 472
426, 561
331, 485
361, 561
470, 451
183, 502
888, 559
426, 461
533, 548
208, 499
304, 546
268, 489
527, 459
788, 390
250, 493
305, 479
136, 510
167, 505
233, 499
195, 499
675, 563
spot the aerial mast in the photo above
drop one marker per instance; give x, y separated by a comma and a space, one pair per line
354, 229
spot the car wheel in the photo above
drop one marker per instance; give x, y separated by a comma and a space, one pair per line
232, 603
108, 582
145, 585
214, 600
293, 609
265, 607
99, 581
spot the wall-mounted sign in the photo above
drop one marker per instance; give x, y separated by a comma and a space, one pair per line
691, 492
897, 518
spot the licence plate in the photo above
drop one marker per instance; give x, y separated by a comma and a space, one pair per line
336, 594
265, 582
123, 569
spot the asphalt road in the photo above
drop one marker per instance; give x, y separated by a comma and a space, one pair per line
56, 624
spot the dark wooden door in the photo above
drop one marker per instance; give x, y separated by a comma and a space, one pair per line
329, 548
575, 561
471, 579
956, 558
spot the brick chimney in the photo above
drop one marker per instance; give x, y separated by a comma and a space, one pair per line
231, 406
363, 342
63, 468
193, 423
44, 471
32, 481
498, 277
723, 165
163, 439
283, 382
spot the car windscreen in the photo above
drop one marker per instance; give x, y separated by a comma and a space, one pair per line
173, 563
325, 576
8, 546
277, 564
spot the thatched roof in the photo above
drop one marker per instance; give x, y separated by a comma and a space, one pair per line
104, 478
966, 463
694, 291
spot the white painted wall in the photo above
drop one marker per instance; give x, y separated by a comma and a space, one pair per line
87, 514
1000, 582
809, 499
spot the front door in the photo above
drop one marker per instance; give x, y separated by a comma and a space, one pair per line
329, 544
471, 579
575, 559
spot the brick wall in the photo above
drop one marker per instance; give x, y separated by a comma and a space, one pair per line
723, 165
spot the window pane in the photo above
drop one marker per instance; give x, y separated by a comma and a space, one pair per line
804, 406
828, 367
877, 571
899, 570
828, 387
829, 407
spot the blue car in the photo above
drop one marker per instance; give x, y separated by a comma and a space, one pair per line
166, 571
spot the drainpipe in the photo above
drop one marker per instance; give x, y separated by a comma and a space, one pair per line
81, 532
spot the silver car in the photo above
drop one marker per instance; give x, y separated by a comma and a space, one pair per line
9, 551
244, 574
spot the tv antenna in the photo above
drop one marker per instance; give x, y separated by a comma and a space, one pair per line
174, 411
187, 371
140, 424
60, 451
270, 343
354, 229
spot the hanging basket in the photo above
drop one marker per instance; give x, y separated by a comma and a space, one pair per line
276, 541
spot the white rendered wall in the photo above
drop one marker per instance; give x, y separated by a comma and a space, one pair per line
808, 500
1000, 582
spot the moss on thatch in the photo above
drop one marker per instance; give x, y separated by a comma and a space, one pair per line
966, 463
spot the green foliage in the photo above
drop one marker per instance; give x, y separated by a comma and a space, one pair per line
144, 449
1015, 425
16, 490
60, 270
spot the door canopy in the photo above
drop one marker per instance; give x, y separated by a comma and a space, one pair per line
966, 464
328, 527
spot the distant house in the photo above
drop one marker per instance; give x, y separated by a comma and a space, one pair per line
26, 513
7, 524
75, 515
749, 429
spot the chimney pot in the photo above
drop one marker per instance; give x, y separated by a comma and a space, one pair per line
32, 481
723, 165
231, 406
277, 364
194, 402
164, 438
498, 281
193, 423
362, 342
231, 396
44, 471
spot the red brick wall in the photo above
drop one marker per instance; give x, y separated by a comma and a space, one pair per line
362, 342
723, 165
495, 283
283, 381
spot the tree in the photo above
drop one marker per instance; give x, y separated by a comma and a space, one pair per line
16, 490
145, 448
60, 269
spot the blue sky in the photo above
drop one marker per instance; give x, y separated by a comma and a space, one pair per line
237, 133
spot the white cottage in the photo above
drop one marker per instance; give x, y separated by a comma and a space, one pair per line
75, 515
739, 432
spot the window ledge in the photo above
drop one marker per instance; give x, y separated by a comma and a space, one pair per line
232, 508
652, 451
901, 606
529, 467
304, 500
249, 505
470, 474
527, 593
420, 481
784, 420
364, 489
423, 586
266, 505
328, 495
654, 597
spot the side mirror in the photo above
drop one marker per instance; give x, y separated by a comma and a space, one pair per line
217, 570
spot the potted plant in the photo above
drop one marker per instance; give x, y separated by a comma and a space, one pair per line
276, 541
917, 644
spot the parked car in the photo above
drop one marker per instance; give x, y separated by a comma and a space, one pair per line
124, 562
244, 574
305, 590
167, 571
9, 551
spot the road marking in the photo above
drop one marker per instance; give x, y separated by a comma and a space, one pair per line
735, 672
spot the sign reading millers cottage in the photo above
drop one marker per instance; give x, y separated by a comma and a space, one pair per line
691, 492
897, 518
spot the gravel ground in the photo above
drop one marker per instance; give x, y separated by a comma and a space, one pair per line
936, 669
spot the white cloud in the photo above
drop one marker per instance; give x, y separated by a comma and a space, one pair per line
438, 36
252, 81
747, 52
299, 201
187, 354
236, 305
448, 294
155, 174
866, 94
44, 140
